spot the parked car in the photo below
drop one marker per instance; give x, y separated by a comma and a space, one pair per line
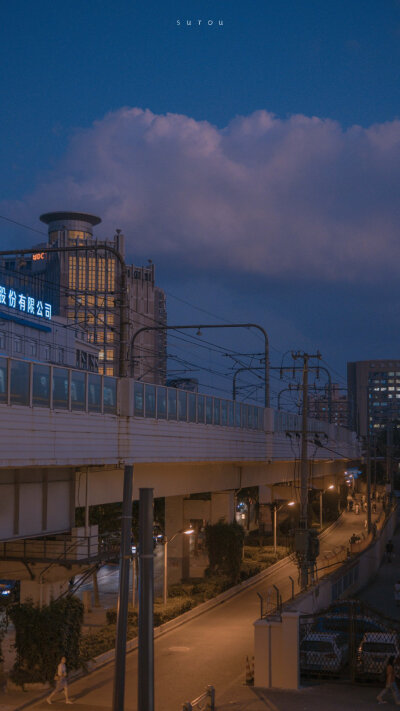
341, 624
374, 652
323, 652
9, 590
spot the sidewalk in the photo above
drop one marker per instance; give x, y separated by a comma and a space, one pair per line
324, 695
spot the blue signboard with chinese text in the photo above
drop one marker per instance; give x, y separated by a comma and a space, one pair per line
24, 303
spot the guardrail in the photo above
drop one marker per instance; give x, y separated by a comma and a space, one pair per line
65, 548
207, 698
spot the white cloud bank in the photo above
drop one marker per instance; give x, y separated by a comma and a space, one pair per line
281, 198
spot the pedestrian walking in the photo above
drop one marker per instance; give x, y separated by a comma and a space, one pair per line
61, 682
390, 683
397, 593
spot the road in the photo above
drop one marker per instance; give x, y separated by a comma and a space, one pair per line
209, 649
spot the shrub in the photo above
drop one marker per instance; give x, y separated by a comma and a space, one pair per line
43, 636
111, 616
224, 543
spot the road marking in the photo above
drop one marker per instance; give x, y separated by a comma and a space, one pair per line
179, 649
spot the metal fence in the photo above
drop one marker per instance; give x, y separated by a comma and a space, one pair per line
204, 702
350, 641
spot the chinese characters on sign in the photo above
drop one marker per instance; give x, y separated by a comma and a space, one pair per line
21, 302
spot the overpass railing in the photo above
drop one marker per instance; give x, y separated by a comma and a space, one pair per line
40, 385
58, 388
162, 403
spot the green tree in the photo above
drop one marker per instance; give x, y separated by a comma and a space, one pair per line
224, 542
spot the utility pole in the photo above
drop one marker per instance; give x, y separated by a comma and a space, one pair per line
304, 548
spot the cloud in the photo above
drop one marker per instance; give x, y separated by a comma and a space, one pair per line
282, 198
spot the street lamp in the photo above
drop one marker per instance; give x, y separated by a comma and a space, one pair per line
322, 491
276, 509
188, 532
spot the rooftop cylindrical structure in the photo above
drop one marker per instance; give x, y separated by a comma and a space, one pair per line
80, 223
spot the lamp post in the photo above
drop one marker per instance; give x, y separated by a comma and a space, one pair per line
322, 491
212, 325
187, 532
276, 509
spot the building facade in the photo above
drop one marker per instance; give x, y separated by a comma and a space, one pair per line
374, 394
84, 287
332, 409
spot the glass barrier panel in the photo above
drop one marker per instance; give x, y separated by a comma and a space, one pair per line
60, 388
224, 412
150, 400
249, 417
260, 418
139, 399
3, 379
209, 410
217, 407
182, 405
200, 408
19, 383
109, 395
192, 407
78, 390
237, 414
161, 403
171, 404
231, 414
94, 393
244, 415
41, 385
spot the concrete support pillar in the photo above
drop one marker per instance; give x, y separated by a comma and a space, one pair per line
178, 548
42, 593
264, 512
276, 652
223, 506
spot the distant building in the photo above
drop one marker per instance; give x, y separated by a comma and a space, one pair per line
84, 288
319, 406
374, 394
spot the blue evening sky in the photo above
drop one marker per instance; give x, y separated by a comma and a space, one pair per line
65, 65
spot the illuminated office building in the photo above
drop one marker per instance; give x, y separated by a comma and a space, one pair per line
374, 394
85, 288
89, 294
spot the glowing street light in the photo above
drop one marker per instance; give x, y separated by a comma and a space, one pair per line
187, 532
